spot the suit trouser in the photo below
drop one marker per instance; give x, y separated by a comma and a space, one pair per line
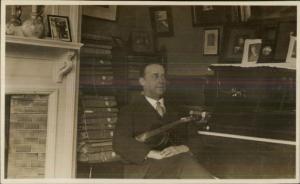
181, 166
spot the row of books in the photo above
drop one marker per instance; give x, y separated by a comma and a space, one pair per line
96, 80
96, 65
102, 40
96, 152
96, 61
99, 112
96, 124
97, 118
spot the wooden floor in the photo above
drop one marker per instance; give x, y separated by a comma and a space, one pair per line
225, 158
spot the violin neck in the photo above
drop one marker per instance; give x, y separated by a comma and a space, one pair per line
162, 128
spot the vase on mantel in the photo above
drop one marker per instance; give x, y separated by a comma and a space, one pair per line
13, 25
34, 26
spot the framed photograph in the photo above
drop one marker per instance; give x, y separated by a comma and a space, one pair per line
234, 38
141, 42
161, 20
268, 35
285, 30
209, 15
211, 42
59, 28
251, 51
105, 12
292, 51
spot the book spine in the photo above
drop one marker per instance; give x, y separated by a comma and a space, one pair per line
95, 51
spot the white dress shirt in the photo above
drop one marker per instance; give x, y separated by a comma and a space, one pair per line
153, 102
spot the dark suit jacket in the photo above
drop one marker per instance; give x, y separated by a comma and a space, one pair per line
139, 117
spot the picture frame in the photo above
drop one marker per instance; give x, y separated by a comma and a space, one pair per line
292, 51
141, 42
234, 38
104, 12
285, 30
268, 35
251, 51
209, 15
59, 28
162, 21
211, 41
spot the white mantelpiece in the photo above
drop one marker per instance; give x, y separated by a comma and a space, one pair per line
46, 42
46, 66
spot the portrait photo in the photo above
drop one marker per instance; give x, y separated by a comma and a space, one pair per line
211, 42
239, 45
234, 41
251, 51
161, 20
59, 28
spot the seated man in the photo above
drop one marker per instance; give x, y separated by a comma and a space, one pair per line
166, 155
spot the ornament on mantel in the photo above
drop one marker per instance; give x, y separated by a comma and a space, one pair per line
34, 26
13, 26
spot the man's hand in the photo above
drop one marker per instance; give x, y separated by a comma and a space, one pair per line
174, 150
155, 155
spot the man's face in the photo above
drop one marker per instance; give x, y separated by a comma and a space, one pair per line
154, 81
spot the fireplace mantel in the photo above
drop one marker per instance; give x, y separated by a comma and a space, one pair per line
46, 66
46, 42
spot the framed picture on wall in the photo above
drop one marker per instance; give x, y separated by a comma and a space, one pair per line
59, 28
141, 42
251, 51
234, 38
161, 20
292, 51
269, 35
209, 15
285, 30
211, 42
105, 12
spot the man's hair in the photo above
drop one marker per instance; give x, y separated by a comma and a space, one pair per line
144, 66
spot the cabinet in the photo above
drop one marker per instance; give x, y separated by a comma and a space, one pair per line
253, 123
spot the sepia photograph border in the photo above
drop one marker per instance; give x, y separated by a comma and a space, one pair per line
83, 181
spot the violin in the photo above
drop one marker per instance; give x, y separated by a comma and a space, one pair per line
159, 137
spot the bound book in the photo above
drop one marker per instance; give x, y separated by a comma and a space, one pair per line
98, 120
95, 61
99, 103
94, 110
96, 37
95, 82
98, 45
107, 156
95, 126
99, 115
92, 148
96, 71
96, 134
95, 51
92, 97
97, 78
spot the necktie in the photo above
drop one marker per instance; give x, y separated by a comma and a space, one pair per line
160, 109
